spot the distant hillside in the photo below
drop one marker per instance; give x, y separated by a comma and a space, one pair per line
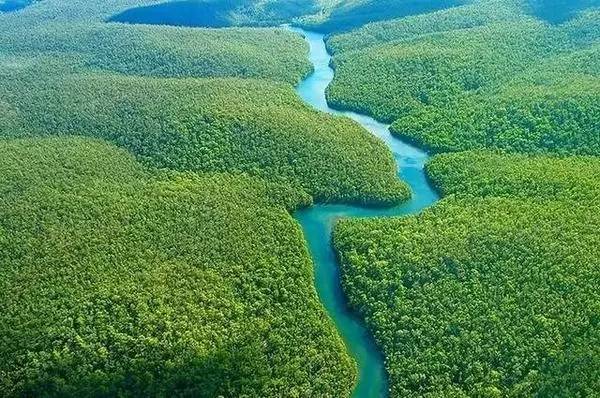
349, 14
218, 13
483, 75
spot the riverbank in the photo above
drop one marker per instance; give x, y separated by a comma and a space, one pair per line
317, 223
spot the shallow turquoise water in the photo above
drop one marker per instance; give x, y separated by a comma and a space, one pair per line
13, 5
317, 223
192, 13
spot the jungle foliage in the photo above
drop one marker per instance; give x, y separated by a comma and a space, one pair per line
468, 16
205, 125
147, 176
161, 51
335, 16
477, 76
493, 291
498, 174
121, 281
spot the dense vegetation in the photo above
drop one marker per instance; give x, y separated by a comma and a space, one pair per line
493, 292
406, 29
118, 282
57, 81
147, 175
497, 174
153, 50
206, 125
483, 75
336, 16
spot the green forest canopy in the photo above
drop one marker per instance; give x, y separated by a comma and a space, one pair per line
121, 281
207, 125
208, 136
335, 16
492, 292
345, 15
233, 125
482, 75
215, 13
148, 175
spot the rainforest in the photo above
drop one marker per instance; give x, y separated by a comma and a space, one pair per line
300, 198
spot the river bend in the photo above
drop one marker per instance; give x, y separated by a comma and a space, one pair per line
317, 223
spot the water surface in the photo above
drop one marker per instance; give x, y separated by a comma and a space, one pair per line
559, 11
317, 223
192, 13
13, 5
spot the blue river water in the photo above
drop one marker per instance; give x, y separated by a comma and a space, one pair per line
13, 5
317, 223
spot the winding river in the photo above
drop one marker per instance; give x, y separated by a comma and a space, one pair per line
317, 223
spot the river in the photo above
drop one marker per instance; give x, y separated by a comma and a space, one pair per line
317, 223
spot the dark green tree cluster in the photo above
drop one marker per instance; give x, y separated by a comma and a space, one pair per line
121, 281
217, 13
508, 81
558, 11
478, 13
492, 292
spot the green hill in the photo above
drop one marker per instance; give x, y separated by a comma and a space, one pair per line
346, 15
147, 176
116, 281
217, 13
477, 79
205, 125
154, 50
492, 291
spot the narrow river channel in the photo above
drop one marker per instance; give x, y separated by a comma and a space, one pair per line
317, 223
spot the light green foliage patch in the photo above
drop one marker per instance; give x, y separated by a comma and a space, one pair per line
471, 77
117, 281
209, 125
492, 292
160, 50
542, 178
